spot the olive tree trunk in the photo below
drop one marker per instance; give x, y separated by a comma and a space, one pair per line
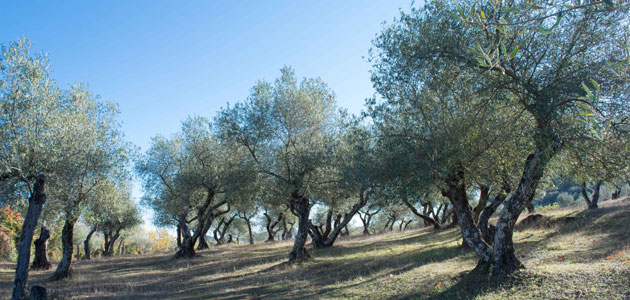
41, 255
505, 261
326, 238
592, 203
64, 270
35, 203
187, 247
302, 207
86, 242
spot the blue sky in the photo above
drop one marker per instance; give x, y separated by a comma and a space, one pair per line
165, 60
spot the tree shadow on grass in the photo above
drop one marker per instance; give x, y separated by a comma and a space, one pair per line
470, 285
609, 221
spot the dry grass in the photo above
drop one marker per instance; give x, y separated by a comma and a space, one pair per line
585, 258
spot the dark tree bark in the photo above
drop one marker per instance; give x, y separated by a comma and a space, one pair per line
386, 225
179, 236
110, 239
407, 224
38, 293
391, 224
35, 203
271, 225
64, 270
41, 253
215, 232
247, 219
202, 243
424, 217
302, 208
471, 234
187, 248
616, 193
592, 203
366, 218
326, 238
226, 225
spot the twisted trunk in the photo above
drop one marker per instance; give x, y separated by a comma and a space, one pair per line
64, 270
187, 247
86, 242
41, 253
366, 218
302, 208
203, 244
592, 203
109, 249
505, 261
407, 224
271, 225
226, 225
472, 236
35, 203
247, 220
424, 217
327, 237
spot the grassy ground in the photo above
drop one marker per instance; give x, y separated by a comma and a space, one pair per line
585, 256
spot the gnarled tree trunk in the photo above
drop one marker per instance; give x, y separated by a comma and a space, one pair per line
424, 217
187, 247
592, 203
41, 247
64, 270
505, 261
327, 237
366, 218
86, 242
471, 234
302, 207
35, 203
271, 225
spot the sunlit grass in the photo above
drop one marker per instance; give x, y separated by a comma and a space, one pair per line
585, 256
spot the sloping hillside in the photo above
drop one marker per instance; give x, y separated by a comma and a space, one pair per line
571, 254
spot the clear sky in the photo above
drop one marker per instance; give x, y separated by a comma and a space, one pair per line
165, 60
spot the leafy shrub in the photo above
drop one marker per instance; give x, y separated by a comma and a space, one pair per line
548, 207
10, 228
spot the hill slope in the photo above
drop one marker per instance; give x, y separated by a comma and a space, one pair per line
571, 254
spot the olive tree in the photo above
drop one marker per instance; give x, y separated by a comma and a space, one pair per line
285, 127
101, 153
48, 137
184, 175
547, 74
